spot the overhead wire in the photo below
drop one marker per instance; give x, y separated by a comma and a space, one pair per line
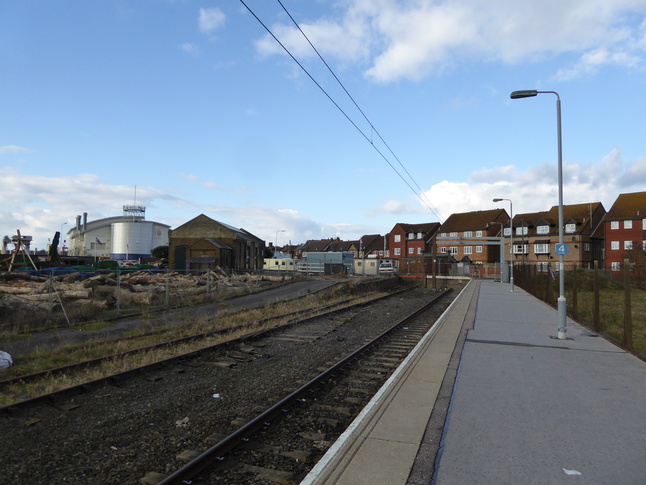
424, 200
372, 127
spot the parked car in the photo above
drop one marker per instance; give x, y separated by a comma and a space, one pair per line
387, 267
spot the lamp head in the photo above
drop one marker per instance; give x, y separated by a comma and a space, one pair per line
527, 93
497, 200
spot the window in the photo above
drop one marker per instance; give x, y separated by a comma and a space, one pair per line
479, 233
468, 233
398, 238
570, 228
478, 249
454, 234
443, 234
419, 250
411, 235
628, 245
419, 235
541, 248
544, 229
615, 266
468, 250
398, 251
543, 267
521, 231
453, 250
520, 248
628, 224
614, 245
586, 247
614, 224
411, 250
507, 231
443, 250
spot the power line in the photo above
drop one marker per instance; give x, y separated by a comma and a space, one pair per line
424, 200
372, 127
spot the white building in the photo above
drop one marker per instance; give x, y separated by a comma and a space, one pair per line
128, 236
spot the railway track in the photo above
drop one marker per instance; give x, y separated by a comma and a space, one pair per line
248, 330
282, 443
145, 425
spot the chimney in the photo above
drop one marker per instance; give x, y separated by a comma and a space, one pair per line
84, 221
78, 223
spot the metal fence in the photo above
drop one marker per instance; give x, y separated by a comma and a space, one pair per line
612, 303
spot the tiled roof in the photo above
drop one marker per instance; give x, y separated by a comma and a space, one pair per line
425, 228
473, 221
580, 214
628, 206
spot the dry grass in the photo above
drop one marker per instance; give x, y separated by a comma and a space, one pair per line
237, 323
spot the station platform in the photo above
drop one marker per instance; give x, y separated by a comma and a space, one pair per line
491, 396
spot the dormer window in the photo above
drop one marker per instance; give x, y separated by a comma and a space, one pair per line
542, 229
521, 231
419, 235
570, 228
411, 235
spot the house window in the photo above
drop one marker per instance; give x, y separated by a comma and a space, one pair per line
454, 234
419, 235
419, 250
544, 229
411, 235
570, 227
478, 249
453, 250
398, 251
443, 250
541, 248
521, 231
615, 266
398, 238
628, 245
478, 233
520, 248
507, 231
468, 250
468, 233
614, 245
586, 247
443, 234
411, 250
614, 224
543, 267
628, 224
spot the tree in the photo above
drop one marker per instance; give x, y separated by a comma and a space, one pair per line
160, 252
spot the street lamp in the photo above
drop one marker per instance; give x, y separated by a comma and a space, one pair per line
61, 236
511, 243
502, 248
562, 304
276, 239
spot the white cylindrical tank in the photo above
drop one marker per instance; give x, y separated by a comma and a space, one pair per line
132, 240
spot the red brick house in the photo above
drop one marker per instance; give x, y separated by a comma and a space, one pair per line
411, 246
625, 228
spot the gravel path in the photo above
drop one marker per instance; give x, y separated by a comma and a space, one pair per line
119, 433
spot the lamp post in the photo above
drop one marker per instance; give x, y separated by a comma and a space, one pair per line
61, 236
562, 303
502, 248
276, 239
511, 243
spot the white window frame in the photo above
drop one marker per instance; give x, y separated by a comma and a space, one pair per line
506, 231
570, 228
468, 233
520, 248
443, 250
521, 231
411, 235
614, 266
419, 250
543, 229
453, 250
542, 248
478, 249
478, 233
586, 247
628, 245
411, 250
468, 250
419, 235
398, 238
614, 224
628, 224
454, 234
614, 245
398, 251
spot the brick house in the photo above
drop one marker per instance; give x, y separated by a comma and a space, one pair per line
460, 233
372, 246
411, 246
204, 243
536, 235
625, 228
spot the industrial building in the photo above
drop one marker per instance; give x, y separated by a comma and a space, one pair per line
126, 237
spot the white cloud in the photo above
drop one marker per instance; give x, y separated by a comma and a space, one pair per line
190, 48
210, 20
414, 39
13, 149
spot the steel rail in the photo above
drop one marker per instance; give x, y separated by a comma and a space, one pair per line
217, 451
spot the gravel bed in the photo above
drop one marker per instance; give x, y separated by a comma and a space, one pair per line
119, 433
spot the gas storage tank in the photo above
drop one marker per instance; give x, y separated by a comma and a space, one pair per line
132, 240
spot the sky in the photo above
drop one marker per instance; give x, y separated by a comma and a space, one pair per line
373, 113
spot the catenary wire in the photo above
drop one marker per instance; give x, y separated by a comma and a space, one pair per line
367, 138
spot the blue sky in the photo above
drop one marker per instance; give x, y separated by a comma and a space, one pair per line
195, 105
